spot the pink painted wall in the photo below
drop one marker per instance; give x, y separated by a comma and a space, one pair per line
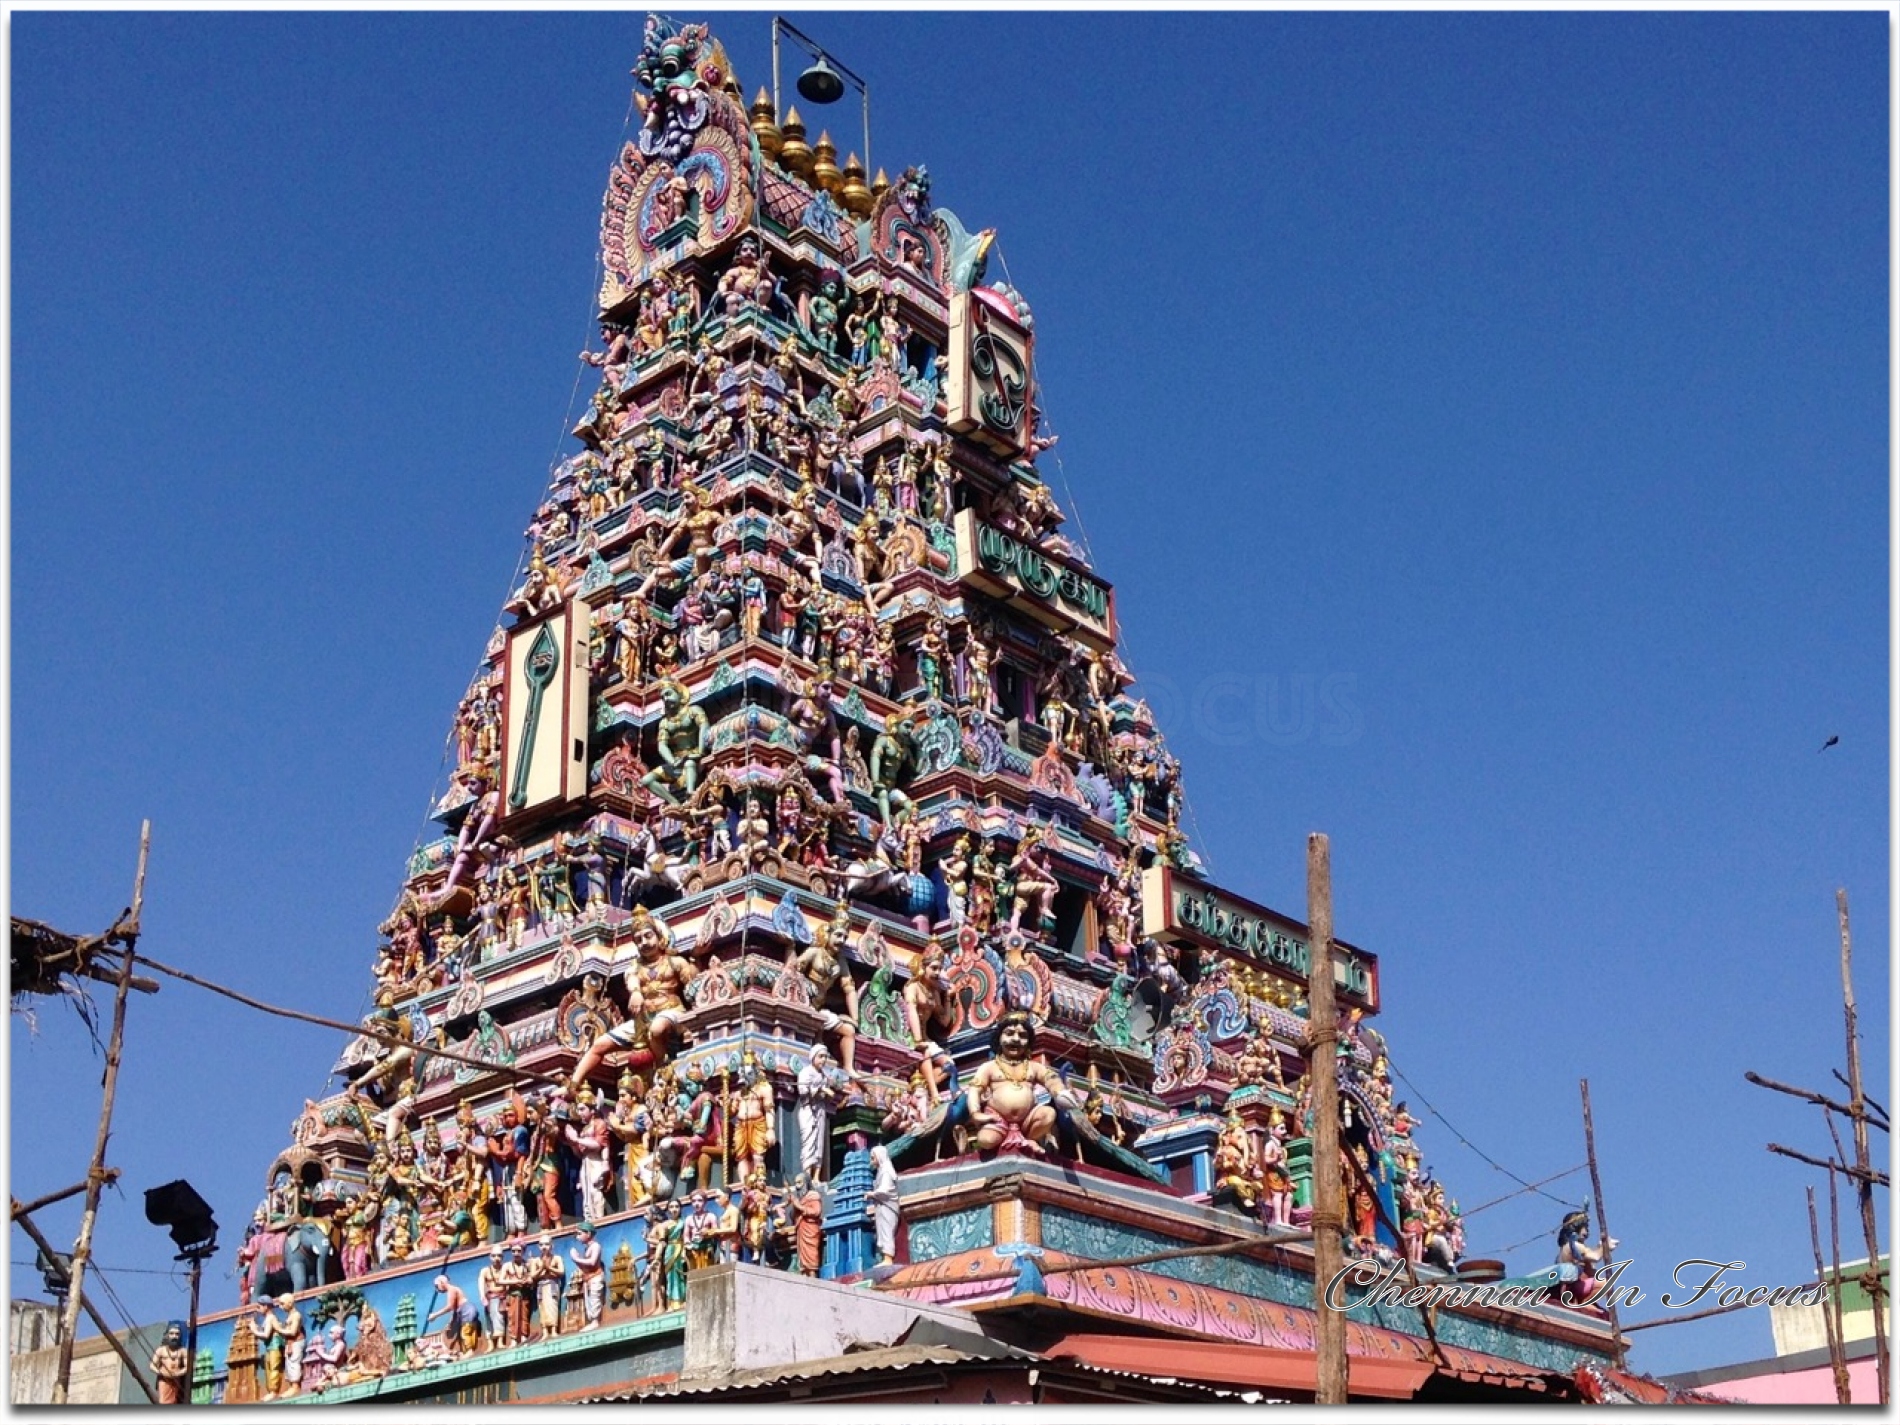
1811, 1387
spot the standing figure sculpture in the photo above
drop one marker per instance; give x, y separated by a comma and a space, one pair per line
817, 1094
823, 968
751, 1135
891, 755
171, 1367
1035, 881
881, 1204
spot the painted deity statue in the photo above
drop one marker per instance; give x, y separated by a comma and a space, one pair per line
683, 735
656, 988
1578, 1260
890, 760
1001, 1099
823, 969
1236, 1169
1035, 881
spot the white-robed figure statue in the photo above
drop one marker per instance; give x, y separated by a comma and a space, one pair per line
881, 1203
817, 1091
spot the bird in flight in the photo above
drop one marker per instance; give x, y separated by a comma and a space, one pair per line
1830, 742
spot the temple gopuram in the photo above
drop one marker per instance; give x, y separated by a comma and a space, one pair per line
809, 990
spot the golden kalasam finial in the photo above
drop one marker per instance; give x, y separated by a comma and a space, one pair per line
853, 195
824, 168
794, 154
765, 125
880, 186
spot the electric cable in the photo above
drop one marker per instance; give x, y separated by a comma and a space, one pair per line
1431, 1109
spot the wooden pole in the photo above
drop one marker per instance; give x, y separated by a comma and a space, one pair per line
74, 1294
1842, 1394
1604, 1239
22, 1209
191, 1328
1857, 1104
128, 933
1322, 1063
1834, 1247
1870, 1177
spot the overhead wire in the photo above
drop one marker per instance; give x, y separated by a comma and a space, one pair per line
1452, 1128
93, 1266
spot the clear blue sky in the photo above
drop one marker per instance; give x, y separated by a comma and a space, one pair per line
1483, 420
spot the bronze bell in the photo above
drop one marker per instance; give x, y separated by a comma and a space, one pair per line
820, 84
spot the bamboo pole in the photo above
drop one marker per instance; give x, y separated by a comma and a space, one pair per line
1822, 1100
21, 1209
74, 1294
1604, 1240
1857, 1102
1868, 1178
1834, 1247
1835, 1360
127, 934
1322, 1062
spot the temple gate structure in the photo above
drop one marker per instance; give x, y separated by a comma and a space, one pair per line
810, 962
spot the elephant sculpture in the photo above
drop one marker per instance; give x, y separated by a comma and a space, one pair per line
297, 1252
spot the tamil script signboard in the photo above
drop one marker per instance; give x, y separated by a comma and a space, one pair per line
1050, 590
1188, 912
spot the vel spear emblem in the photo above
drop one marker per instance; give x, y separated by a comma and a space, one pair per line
543, 658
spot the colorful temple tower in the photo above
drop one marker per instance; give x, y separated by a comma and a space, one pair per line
810, 900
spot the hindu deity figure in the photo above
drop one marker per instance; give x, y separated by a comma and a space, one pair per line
815, 727
933, 656
891, 754
656, 986
1001, 1099
752, 1133
977, 660
1578, 1260
1118, 918
823, 969
540, 590
927, 993
683, 734
956, 879
822, 310
1034, 880
755, 1216
748, 281
612, 363
1236, 1170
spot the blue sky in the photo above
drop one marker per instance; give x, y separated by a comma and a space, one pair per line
1483, 421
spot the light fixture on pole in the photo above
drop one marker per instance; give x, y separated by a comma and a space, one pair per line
195, 1233
823, 82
